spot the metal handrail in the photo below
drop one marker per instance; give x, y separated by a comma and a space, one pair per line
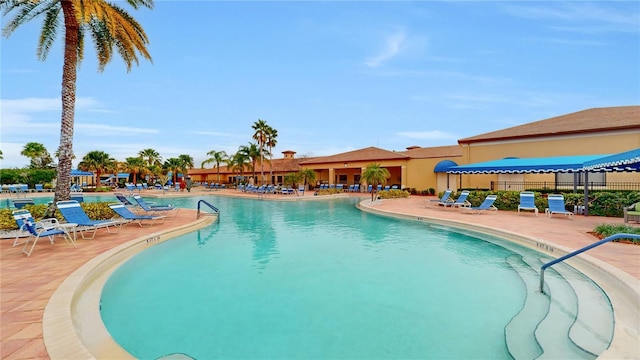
209, 205
588, 247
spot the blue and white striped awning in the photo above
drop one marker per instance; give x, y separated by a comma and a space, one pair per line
624, 161
553, 164
75, 172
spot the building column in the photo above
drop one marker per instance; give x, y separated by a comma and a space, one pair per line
403, 176
331, 176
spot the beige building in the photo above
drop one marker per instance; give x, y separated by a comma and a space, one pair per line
588, 132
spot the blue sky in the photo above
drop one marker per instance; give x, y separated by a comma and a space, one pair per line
330, 76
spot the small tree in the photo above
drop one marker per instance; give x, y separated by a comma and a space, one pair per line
374, 175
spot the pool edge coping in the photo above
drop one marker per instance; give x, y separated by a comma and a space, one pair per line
80, 293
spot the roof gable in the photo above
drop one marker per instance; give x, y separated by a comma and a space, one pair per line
585, 121
367, 154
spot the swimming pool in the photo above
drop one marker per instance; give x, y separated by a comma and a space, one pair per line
314, 279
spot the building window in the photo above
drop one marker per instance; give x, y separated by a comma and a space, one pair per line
342, 179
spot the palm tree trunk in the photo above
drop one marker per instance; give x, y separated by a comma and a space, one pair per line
271, 166
69, 75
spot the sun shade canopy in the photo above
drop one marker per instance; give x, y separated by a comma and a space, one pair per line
81, 173
527, 165
624, 161
443, 166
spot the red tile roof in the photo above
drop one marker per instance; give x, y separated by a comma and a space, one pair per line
585, 121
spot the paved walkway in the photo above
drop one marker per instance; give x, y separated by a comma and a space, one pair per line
26, 284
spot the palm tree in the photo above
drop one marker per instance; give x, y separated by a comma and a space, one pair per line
98, 161
252, 153
187, 162
33, 150
151, 156
261, 128
237, 162
108, 24
373, 175
40, 157
216, 157
293, 179
272, 134
136, 165
174, 165
307, 176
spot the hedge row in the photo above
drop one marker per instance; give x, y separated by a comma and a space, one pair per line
95, 210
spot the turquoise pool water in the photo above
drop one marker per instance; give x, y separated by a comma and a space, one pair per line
315, 279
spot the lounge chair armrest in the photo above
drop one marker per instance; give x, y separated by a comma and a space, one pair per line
47, 224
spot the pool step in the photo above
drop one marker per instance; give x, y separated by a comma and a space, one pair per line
573, 320
520, 331
553, 331
593, 326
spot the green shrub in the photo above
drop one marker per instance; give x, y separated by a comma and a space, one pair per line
393, 194
606, 230
96, 211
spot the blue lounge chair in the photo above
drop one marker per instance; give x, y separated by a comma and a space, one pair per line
443, 200
167, 209
48, 228
39, 188
20, 203
487, 205
527, 202
126, 214
73, 213
460, 202
123, 199
77, 197
556, 205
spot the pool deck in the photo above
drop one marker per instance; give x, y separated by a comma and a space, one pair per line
27, 284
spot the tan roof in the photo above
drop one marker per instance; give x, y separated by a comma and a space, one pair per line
366, 154
433, 152
585, 121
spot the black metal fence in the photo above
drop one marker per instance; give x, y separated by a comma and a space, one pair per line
548, 186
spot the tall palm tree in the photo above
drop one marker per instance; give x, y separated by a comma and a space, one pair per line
151, 156
260, 135
98, 161
373, 175
215, 157
108, 24
272, 135
136, 166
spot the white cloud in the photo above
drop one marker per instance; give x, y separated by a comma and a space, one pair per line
394, 44
582, 17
